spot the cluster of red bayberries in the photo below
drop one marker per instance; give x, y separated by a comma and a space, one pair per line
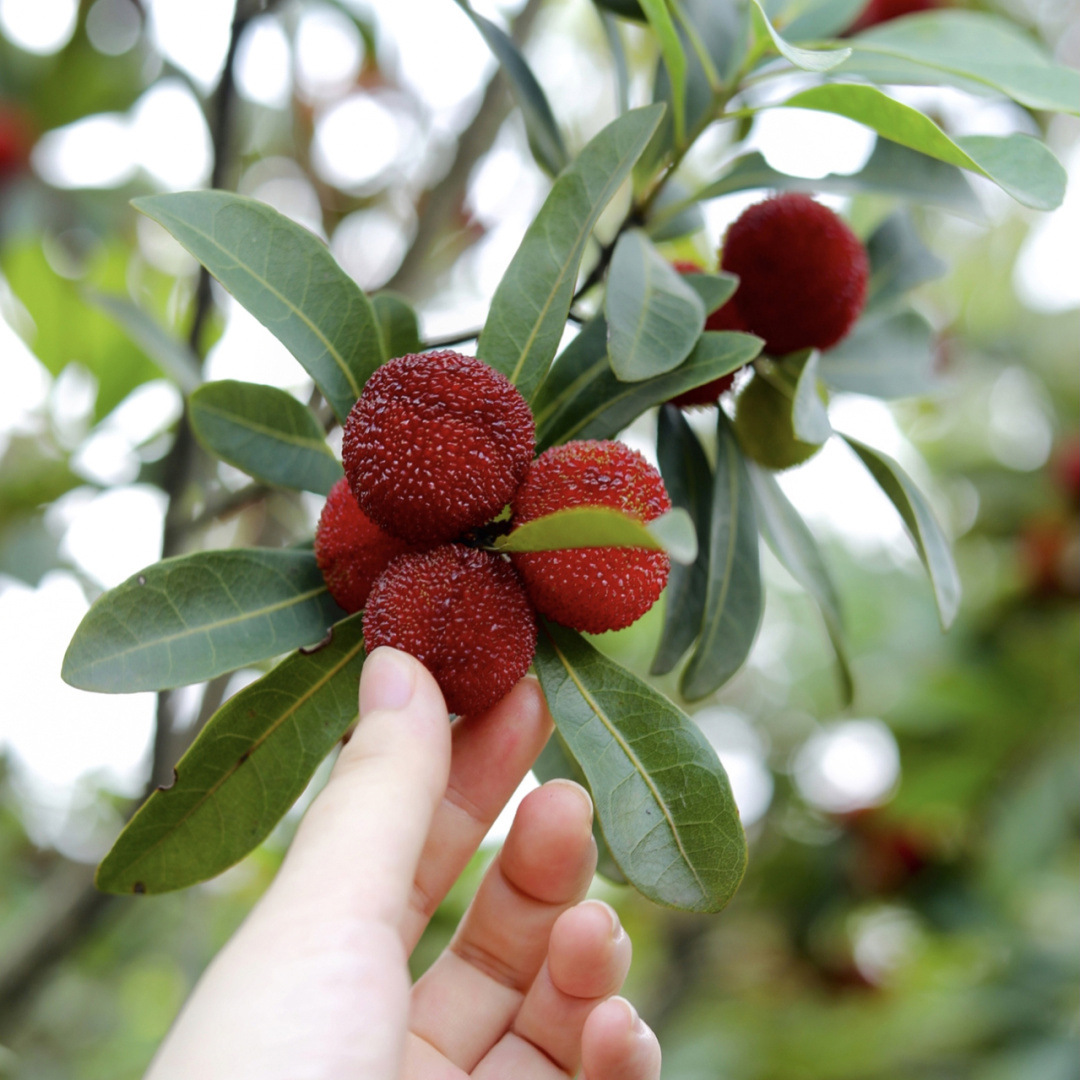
437, 447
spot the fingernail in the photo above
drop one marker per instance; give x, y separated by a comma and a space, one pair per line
636, 1023
613, 918
582, 794
387, 681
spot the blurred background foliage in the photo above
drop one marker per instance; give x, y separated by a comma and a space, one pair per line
911, 904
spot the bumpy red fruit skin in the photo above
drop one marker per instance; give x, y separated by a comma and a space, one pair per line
879, 11
351, 550
592, 589
437, 445
802, 273
463, 614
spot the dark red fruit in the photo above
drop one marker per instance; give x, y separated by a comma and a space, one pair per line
879, 11
1066, 467
802, 273
463, 614
725, 317
351, 550
437, 445
16, 140
592, 589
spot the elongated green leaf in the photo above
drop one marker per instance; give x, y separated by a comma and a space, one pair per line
556, 762
661, 794
265, 432
892, 169
596, 405
197, 616
1018, 164
899, 260
688, 479
715, 290
965, 47
733, 599
171, 355
545, 140
654, 317
247, 767
529, 309
809, 416
886, 356
286, 277
808, 59
671, 49
618, 61
794, 545
922, 525
818, 19
398, 324
603, 526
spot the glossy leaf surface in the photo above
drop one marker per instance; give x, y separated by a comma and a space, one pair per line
246, 768
661, 794
528, 312
193, 617
287, 278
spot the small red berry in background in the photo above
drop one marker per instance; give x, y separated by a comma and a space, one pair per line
725, 317
351, 550
1066, 468
879, 11
463, 614
437, 445
16, 140
592, 589
802, 273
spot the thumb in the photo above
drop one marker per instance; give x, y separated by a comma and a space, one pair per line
358, 846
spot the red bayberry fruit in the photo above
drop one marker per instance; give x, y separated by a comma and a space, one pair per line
879, 11
351, 550
1066, 467
463, 614
592, 589
437, 445
802, 273
725, 317
16, 140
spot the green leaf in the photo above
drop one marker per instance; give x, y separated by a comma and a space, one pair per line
892, 170
886, 356
194, 617
529, 309
816, 60
556, 762
688, 479
794, 545
809, 416
661, 795
715, 290
965, 47
398, 324
687, 219
174, 357
733, 598
899, 260
671, 49
654, 317
604, 526
923, 527
266, 433
819, 19
618, 60
595, 405
1018, 164
286, 277
247, 767
545, 140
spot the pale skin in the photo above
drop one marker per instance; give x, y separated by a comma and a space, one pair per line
315, 984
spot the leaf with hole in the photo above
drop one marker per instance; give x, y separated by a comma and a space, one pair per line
662, 797
287, 278
238, 779
193, 617
654, 317
528, 312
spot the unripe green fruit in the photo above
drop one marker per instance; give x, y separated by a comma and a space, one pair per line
763, 426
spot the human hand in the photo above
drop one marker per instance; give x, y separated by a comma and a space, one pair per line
315, 984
